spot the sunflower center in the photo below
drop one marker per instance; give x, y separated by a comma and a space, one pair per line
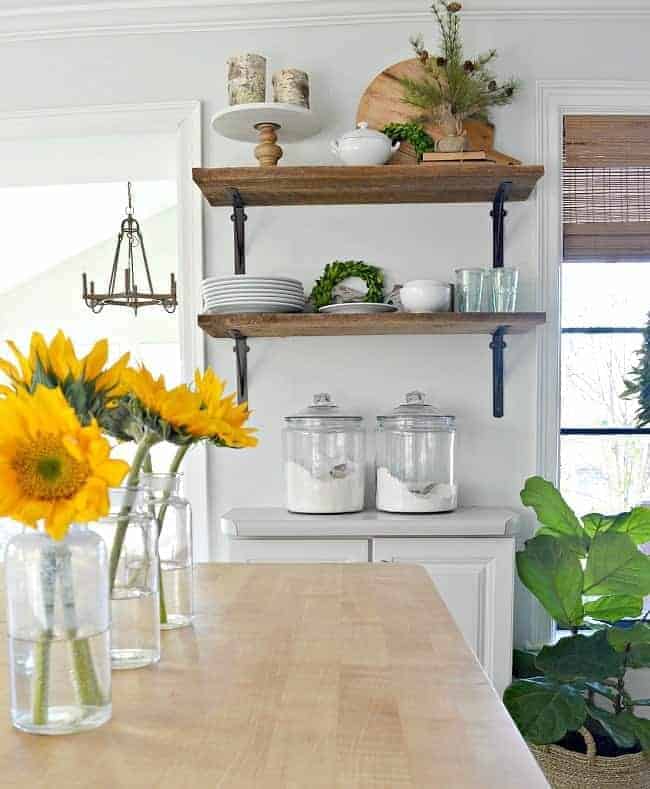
46, 470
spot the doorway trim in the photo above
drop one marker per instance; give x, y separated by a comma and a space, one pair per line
182, 119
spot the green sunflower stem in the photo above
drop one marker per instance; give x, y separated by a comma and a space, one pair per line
41, 681
162, 607
173, 469
123, 520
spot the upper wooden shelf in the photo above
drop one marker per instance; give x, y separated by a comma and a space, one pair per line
430, 183
315, 325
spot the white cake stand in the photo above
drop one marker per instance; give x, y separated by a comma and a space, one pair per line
260, 123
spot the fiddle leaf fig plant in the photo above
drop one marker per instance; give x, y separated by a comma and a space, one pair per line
590, 576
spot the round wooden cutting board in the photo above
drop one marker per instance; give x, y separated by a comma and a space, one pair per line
383, 103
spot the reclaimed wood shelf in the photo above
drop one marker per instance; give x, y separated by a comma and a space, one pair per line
241, 187
318, 325
325, 185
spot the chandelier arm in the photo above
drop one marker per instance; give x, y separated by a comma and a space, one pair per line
116, 259
146, 262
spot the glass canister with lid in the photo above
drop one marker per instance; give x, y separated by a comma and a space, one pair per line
415, 458
324, 456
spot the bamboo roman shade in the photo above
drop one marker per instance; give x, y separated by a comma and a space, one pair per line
606, 187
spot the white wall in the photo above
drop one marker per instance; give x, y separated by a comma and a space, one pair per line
372, 374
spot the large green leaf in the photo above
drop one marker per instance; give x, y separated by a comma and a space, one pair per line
580, 658
553, 573
620, 637
611, 608
553, 512
523, 664
636, 524
595, 522
616, 566
619, 727
544, 710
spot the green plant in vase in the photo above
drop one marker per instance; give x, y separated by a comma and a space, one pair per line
453, 87
590, 576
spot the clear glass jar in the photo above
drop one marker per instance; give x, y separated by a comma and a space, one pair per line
59, 631
174, 519
324, 457
415, 459
131, 534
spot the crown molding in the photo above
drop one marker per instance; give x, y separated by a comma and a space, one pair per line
35, 19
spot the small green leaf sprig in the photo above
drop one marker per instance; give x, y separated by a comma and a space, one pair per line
339, 270
412, 133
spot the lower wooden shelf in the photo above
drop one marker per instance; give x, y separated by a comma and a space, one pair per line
316, 325
239, 327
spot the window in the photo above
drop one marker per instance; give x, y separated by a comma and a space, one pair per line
604, 457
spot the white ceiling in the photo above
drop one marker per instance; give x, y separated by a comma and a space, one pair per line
34, 19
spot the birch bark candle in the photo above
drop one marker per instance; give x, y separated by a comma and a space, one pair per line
291, 86
246, 79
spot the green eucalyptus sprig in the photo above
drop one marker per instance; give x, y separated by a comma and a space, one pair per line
412, 133
339, 270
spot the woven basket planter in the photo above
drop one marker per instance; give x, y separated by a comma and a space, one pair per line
570, 770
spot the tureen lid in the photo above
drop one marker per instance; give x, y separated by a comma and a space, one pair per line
323, 407
364, 132
415, 407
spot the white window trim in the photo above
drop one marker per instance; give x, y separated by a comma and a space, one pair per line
183, 119
555, 99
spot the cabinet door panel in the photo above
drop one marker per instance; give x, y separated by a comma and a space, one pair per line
306, 551
475, 578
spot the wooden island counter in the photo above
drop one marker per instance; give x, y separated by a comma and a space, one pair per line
297, 676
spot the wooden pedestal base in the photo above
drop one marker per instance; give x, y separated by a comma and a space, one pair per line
267, 153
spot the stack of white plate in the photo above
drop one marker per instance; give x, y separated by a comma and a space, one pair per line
248, 293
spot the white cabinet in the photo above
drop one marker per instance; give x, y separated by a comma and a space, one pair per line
305, 551
475, 578
474, 573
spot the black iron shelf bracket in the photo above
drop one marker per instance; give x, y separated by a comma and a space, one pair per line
238, 218
498, 214
498, 344
241, 350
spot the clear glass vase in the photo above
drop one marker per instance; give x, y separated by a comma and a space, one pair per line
131, 535
59, 631
174, 518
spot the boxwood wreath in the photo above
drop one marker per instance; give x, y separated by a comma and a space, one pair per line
337, 271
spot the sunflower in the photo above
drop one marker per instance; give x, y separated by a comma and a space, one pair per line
173, 415
91, 387
52, 468
226, 418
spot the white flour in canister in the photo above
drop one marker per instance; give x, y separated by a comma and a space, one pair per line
393, 495
335, 488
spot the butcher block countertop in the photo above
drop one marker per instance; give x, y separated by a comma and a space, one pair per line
293, 676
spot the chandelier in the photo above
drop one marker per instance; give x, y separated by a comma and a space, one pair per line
131, 296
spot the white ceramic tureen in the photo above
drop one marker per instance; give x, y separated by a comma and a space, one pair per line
364, 146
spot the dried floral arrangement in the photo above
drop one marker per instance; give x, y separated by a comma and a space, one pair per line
454, 87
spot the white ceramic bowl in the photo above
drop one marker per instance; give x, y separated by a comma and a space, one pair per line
426, 295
